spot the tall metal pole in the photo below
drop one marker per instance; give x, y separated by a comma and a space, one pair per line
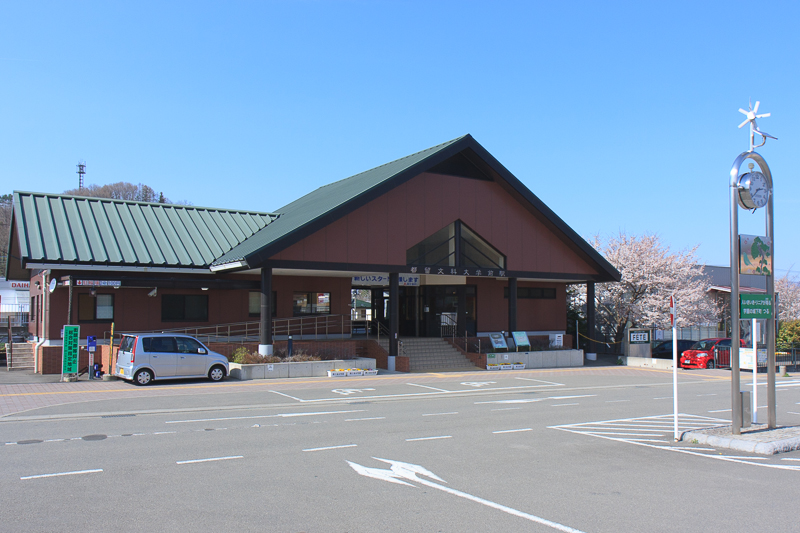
770, 323
736, 397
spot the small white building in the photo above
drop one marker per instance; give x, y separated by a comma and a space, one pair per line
14, 302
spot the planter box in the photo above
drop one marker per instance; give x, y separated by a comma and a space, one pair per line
492, 367
336, 373
370, 372
506, 367
300, 369
355, 372
519, 366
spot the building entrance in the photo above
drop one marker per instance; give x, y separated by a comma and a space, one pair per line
436, 310
427, 311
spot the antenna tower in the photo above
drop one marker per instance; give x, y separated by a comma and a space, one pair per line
81, 172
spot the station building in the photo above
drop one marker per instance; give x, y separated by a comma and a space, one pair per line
443, 242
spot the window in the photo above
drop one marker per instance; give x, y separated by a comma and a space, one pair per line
187, 345
254, 303
95, 308
311, 303
532, 293
186, 307
159, 344
455, 245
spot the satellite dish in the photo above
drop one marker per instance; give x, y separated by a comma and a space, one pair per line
52, 286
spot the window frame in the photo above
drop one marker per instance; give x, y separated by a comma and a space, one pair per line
533, 293
167, 297
96, 299
311, 296
274, 304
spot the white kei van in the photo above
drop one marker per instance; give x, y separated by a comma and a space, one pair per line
145, 357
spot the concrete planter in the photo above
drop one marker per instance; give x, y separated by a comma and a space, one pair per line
305, 369
530, 360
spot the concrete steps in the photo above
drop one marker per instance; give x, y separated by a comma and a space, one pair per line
430, 353
22, 357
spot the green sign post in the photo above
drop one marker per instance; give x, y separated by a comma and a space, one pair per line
69, 355
758, 306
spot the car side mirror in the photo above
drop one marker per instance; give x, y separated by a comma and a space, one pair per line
201, 351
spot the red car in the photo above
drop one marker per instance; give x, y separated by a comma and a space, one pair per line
701, 354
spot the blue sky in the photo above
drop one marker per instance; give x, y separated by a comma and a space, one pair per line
621, 116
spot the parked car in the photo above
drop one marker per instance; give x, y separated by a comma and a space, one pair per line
701, 354
663, 350
145, 357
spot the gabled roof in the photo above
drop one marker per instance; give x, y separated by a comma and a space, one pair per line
463, 156
72, 231
321, 206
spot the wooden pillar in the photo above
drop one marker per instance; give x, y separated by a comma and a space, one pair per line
265, 331
590, 318
394, 313
512, 304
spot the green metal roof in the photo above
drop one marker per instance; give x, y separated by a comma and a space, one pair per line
314, 206
73, 230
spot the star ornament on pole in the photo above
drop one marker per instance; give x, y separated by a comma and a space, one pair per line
752, 115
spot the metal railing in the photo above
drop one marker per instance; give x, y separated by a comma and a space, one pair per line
788, 358
301, 328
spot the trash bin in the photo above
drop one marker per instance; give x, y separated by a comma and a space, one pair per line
747, 412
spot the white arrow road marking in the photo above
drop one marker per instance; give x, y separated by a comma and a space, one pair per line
346, 392
400, 471
478, 384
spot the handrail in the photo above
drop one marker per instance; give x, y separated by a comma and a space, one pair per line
314, 326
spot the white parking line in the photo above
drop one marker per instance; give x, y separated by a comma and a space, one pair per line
441, 414
719, 410
431, 438
512, 430
549, 383
563, 404
371, 418
507, 409
330, 448
427, 387
64, 474
282, 415
209, 459
616, 401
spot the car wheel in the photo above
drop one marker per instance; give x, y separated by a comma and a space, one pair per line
710, 363
143, 377
216, 373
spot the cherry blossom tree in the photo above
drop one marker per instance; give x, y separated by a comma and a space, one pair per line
651, 273
788, 289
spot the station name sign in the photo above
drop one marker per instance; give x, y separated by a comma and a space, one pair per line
755, 306
451, 271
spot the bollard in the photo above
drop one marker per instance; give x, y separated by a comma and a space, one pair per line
782, 370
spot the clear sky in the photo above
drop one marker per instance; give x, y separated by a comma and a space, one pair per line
620, 116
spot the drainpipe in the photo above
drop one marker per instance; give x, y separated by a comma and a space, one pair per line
43, 338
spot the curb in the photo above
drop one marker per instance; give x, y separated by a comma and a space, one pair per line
741, 445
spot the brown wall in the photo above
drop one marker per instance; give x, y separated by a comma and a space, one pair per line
381, 231
135, 311
532, 314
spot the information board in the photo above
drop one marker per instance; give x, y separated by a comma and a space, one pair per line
69, 355
521, 339
498, 341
